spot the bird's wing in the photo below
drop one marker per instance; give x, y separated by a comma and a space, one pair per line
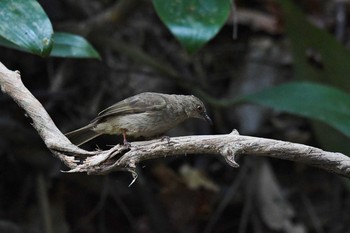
144, 102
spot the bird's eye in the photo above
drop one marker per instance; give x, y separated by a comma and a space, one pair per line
199, 108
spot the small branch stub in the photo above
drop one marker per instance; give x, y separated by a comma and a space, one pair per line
230, 156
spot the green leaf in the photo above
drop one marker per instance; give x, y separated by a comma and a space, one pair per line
329, 138
307, 39
332, 68
70, 45
193, 22
311, 100
25, 26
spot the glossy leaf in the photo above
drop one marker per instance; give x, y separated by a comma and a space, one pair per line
314, 101
70, 45
25, 26
193, 22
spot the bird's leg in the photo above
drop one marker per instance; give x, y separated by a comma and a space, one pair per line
125, 141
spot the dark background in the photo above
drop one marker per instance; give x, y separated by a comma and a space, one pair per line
185, 194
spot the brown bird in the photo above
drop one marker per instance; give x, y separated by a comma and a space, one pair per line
143, 115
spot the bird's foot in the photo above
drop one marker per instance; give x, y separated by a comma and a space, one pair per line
165, 137
126, 144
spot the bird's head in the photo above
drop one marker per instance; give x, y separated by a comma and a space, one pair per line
196, 109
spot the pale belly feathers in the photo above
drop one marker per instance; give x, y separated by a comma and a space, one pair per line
136, 125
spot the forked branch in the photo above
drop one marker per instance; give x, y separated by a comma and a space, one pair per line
122, 157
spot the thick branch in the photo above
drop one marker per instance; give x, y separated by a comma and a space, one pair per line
126, 158
11, 83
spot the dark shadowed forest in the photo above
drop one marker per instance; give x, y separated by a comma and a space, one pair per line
261, 45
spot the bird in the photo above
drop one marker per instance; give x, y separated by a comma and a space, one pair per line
147, 115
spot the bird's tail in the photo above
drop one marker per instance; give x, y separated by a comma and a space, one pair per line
82, 135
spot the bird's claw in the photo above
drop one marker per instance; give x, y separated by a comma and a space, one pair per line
126, 144
167, 138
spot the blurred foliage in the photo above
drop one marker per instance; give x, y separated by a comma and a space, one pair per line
317, 55
324, 103
26, 27
70, 45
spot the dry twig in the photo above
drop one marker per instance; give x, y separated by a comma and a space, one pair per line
123, 158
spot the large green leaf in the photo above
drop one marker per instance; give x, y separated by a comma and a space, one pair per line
193, 22
69, 45
333, 67
25, 25
311, 100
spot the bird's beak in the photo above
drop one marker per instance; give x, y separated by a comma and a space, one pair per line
207, 118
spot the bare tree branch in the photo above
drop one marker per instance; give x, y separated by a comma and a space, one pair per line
122, 157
